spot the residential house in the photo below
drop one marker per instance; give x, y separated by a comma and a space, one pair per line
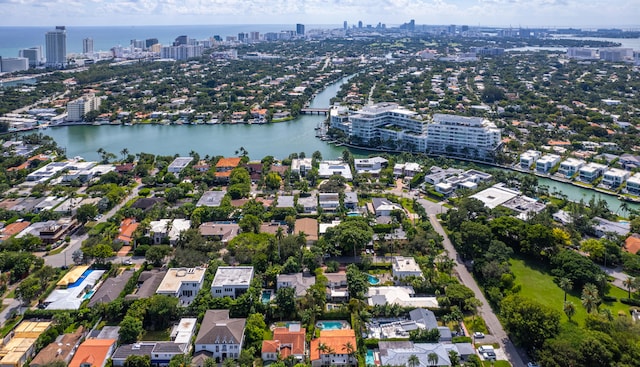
603, 226
202, 166
221, 336
334, 348
182, 283
13, 229
301, 166
167, 228
332, 168
111, 288
309, 204
629, 162
547, 162
285, 201
633, 184
402, 295
179, 164
408, 170
287, 341
308, 226
570, 167
437, 174
402, 267
93, 353
211, 199
370, 165
528, 158
397, 353
255, 171
61, 349
127, 227
148, 283
298, 281
383, 207
632, 244
614, 177
231, 281
329, 201
351, 200
337, 287
22, 343
591, 171
146, 203
225, 166
219, 231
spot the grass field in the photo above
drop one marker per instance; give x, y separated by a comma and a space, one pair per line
538, 284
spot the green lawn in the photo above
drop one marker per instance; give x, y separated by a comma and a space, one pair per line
537, 284
496, 364
157, 335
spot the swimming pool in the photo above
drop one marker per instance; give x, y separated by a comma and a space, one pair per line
332, 325
373, 280
89, 294
81, 279
266, 296
370, 359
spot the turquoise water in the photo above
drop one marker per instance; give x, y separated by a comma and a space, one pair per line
82, 278
373, 280
370, 360
330, 325
89, 294
266, 296
353, 214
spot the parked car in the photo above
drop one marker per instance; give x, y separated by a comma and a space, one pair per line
478, 335
531, 364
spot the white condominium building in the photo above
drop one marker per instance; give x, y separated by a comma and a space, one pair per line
76, 109
472, 136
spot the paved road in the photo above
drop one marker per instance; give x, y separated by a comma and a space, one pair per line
65, 256
493, 324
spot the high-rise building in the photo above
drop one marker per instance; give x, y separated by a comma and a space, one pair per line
11, 64
345, 25
470, 136
56, 47
150, 42
182, 52
242, 37
451, 29
34, 54
181, 40
254, 36
300, 29
76, 109
359, 24
87, 46
137, 44
412, 25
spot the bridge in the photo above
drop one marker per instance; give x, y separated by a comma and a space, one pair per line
314, 111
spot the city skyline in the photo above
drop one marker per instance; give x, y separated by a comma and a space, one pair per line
505, 13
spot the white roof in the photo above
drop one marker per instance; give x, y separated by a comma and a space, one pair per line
495, 196
233, 275
174, 278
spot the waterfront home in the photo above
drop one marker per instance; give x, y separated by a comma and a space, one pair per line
602, 227
370, 165
331, 168
547, 162
402, 267
633, 184
182, 283
301, 166
437, 174
287, 341
179, 164
407, 170
591, 171
614, 177
570, 167
224, 166
632, 244
334, 348
629, 162
528, 158
220, 335
232, 281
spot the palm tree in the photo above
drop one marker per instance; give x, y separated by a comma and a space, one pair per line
124, 153
629, 283
590, 297
569, 309
432, 358
350, 349
566, 284
279, 236
413, 361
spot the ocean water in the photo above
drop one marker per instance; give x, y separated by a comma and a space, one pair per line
12, 39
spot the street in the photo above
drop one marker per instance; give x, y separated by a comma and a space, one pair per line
491, 320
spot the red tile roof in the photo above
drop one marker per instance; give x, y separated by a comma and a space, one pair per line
335, 341
127, 227
93, 352
228, 162
13, 229
632, 244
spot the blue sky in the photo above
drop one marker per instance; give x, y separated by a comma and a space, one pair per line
530, 13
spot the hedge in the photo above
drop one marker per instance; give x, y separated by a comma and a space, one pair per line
631, 302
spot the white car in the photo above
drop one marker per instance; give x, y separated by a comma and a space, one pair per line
478, 335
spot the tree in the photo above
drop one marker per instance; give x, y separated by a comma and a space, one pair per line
569, 309
156, 254
432, 358
630, 283
352, 234
286, 302
458, 293
529, 322
86, 212
250, 223
138, 361
454, 358
101, 252
28, 290
566, 285
254, 331
590, 297
594, 247
130, 330
77, 256
357, 282
413, 361
273, 181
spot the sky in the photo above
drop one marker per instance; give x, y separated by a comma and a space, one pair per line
514, 13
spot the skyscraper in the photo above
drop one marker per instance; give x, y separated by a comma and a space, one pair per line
359, 24
56, 47
300, 29
181, 40
87, 46
345, 25
34, 54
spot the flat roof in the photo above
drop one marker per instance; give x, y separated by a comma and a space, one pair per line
174, 278
494, 196
211, 198
233, 275
72, 276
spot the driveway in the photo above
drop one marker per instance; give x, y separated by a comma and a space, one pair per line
490, 318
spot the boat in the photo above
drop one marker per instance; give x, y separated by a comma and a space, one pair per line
212, 122
629, 199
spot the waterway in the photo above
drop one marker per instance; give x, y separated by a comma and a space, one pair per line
276, 139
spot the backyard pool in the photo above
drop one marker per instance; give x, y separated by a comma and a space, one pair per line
89, 294
332, 325
373, 280
370, 359
81, 279
266, 296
